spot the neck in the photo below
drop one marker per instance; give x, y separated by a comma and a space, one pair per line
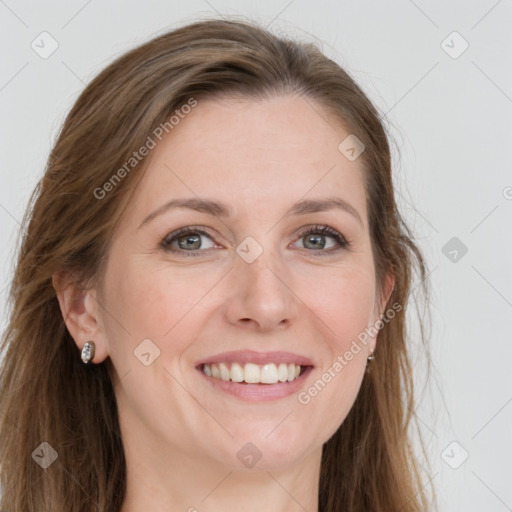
167, 481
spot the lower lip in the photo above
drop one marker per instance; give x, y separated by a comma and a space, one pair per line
259, 392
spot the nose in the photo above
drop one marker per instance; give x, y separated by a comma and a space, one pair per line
261, 295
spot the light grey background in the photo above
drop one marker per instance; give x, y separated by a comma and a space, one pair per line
451, 117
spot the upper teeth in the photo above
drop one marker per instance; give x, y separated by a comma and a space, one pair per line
253, 373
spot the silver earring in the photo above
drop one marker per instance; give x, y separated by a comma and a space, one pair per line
88, 352
368, 363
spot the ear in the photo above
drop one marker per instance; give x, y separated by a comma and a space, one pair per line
389, 285
81, 312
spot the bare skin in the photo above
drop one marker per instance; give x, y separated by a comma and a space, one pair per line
304, 294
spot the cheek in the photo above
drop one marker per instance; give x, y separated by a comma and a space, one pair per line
344, 312
345, 305
134, 309
141, 295
153, 303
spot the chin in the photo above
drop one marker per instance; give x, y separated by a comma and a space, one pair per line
268, 448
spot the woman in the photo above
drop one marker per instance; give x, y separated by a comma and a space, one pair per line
208, 309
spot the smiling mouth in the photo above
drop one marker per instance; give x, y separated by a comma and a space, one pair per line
251, 373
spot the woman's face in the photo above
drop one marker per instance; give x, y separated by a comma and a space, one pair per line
247, 286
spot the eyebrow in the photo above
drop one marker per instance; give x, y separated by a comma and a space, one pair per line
218, 209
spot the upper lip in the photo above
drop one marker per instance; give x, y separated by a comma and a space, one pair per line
252, 356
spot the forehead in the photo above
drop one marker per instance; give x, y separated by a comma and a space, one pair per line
257, 155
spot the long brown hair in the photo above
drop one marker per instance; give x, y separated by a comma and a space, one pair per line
48, 395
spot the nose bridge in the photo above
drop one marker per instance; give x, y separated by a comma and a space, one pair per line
260, 294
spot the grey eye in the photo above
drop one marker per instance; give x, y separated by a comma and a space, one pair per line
191, 240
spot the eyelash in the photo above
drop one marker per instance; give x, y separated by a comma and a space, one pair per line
199, 230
